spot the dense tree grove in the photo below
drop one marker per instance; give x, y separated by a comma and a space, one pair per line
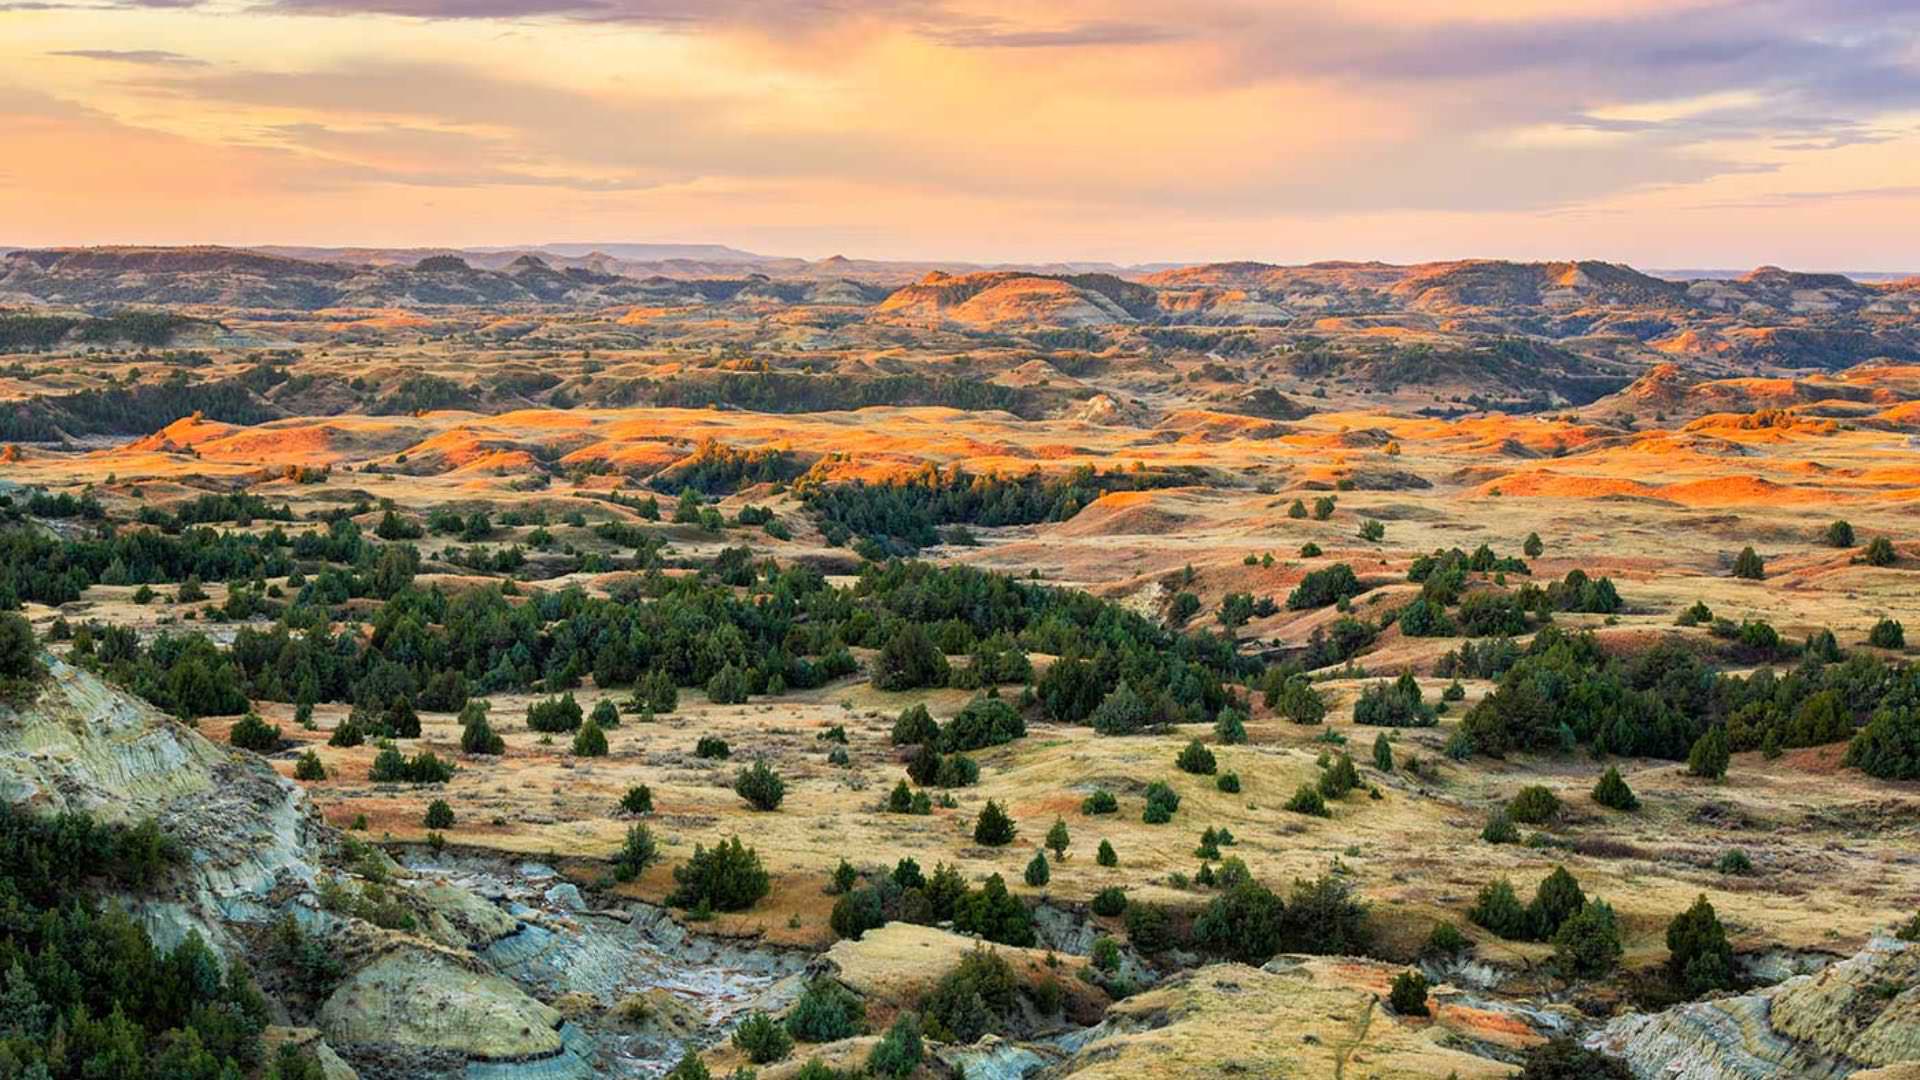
88, 994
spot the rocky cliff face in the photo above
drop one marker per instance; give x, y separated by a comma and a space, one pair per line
1856, 1014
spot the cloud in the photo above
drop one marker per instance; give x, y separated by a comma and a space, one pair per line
1000, 35
147, 57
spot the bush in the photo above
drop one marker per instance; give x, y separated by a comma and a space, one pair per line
1324, 586
993, 828
728, 686
1340, 778
439, 815
899, 1053
1709, 756
1149, 928
689, 1067
1445, 940
760, 786
1565, 1059
1038, 872
826, 1012
605, 714
590, 741
1734, 861
1409, 994
1500, 829
1196, 759
1110, 901
762, 1038
348, 733
1699, 959
637, 800
973, 999
712, 747
555, 715
1307, 800
1382, 753
252, 733
309, 767
909, 659
391, 766
19, 651
856, 912
1058, 838
1105, 955
1587, 945
638, 852
1106, 856
1298, 701
915, 726
477, 735
1887, 634
1100, 802
1228, 782
993, 913
1230, 727
1122, 712
1880, 552
983, 722
1162, 803
1889, 746
727, 877
1840, 534
1498, 910
1749, 565
1534, 805
1612, 792
1395, 704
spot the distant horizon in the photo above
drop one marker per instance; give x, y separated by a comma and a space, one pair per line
608, 247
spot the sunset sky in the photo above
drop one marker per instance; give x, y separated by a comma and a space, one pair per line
1667, 134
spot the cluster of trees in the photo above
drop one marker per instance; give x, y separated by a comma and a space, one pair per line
904, 515
87, 993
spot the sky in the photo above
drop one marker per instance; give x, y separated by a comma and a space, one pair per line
1665, 133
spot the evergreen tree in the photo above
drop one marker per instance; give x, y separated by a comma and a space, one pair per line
1613, 792
993, 828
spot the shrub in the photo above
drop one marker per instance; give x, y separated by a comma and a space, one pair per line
760, 786
1887, 634
1038, 872
1498, 910
477, 735
1445, 940
1298, 701
1105, 955
1734, 861
1230, 727
1110, 901
391, 766
909, 659
1395, 704
974, 998
1058, 838
1382, 753
899, 1053
1310, 550
993, 828
638, 852
1307, 800
559, 714
637, 800
826, 1012
900, 800
1162, 803
347, 733
1106, 856
1565, 1059
1532, 547
915, 725
728, 686
1149, 928
1324, 586
1340, 778
1889, 746
762, 1038
1196, 759
1323, 508
1500, 829
1409, 994
727, 877
1699, 958
984, 722
1534, 805
1709, 756
1840, 534
605, 714
252, 733
1749, 565
994, 913
1245, 923
1613, 792
1100, 802
309, 767
1122, 712
590, 741
1228, 782
712, 747
1556, 900
1880, 552
439, 815
689, 1067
